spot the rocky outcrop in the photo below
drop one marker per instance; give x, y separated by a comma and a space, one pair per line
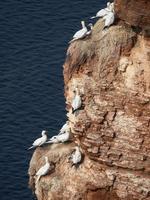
111, 68
134, 12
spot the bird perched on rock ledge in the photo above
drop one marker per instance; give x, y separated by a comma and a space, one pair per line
105, 11
76, 157
59, 138
77, 102
109, 19
64, 128
81, 33
40, 141
44, 169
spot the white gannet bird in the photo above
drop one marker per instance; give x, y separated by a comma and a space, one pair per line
77, 102
59, 138
64, 128
109, 19
43, 170
81, 33
40, 141
76, 156
103, 12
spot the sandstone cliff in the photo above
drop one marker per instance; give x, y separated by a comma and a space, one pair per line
112, 70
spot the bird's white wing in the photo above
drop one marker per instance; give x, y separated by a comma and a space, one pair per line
76, 157
40, 171
37, 142
76, 102
43, 170
63, 137
81, 33
77, 33
63, 129
109, 19
102, 13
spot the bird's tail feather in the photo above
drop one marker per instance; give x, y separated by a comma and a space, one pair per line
31, 147
49, 142
93, 17
38, 178
73, 40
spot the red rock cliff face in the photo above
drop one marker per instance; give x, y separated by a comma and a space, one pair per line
112, 71
134, 12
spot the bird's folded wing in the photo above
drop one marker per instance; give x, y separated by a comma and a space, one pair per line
37, 142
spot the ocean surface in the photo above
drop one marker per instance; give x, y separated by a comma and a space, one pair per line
34, 36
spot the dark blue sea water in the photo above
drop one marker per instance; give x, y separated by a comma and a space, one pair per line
33, 42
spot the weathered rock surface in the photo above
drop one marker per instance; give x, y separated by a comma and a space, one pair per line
111, 68
134, 12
